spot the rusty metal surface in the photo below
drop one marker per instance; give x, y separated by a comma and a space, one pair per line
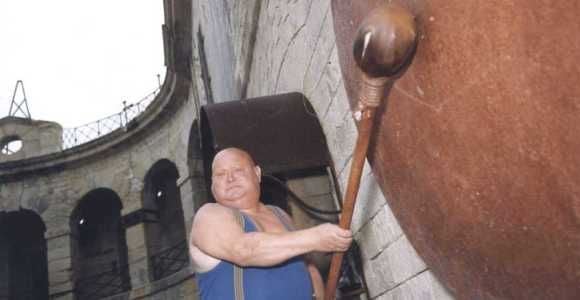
281, 132
478, 147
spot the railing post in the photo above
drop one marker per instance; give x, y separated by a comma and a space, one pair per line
125, 112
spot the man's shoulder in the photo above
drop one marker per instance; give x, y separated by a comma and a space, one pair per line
214, 214
213, 209
278, 210
212, 217
283, 216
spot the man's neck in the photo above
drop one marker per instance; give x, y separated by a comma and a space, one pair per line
246, 206
254, 210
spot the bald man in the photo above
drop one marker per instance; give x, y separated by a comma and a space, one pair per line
243, 249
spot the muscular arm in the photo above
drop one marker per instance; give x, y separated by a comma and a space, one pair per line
216, 232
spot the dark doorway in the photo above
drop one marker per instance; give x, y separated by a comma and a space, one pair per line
23, 264
165, 233
99, 247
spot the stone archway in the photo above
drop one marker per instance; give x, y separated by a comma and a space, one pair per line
23, 261
165, 234
99, 247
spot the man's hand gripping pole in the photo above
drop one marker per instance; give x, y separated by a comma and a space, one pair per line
383, 49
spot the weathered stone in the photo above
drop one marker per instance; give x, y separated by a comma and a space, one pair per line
424, 286
61, 291
370, 200
379, 233
36, 137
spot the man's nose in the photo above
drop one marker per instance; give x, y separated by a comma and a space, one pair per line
230, 176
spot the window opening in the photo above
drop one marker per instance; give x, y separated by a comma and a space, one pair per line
11, 145
23, 260
166, 236
99, 246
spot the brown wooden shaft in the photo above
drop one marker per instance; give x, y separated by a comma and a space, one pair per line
358, 159
383, 48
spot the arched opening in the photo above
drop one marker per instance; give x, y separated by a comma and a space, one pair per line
10, 145
99, 247
165, 232
23, 263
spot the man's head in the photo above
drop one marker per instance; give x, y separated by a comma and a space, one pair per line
235, 179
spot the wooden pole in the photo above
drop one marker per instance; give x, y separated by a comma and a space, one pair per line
383, 49
362, 144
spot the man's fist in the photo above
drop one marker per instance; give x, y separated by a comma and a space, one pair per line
330, 238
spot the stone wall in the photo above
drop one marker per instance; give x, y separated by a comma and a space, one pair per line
36, 137
54, 196
228, 30
295, 50
52, 184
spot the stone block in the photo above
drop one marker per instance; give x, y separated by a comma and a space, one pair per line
135, 236
378, 276
60, 264
369, 201
59, 276
341, 135
393, 266
63, 290
58, 247
424, 286
405, 260
380, 232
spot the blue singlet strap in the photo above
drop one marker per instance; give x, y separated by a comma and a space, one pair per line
282, 217
238, 272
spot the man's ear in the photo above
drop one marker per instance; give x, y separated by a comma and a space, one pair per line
258, 171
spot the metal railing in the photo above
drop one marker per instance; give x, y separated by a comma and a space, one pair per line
116, 280
72, 137
108, 283
170, 260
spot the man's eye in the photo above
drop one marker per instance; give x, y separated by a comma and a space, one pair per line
239, 171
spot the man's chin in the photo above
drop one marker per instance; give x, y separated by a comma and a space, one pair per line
232, 198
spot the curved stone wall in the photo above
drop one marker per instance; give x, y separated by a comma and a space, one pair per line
53, 184
35, 137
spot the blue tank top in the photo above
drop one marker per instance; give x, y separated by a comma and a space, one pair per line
287, 281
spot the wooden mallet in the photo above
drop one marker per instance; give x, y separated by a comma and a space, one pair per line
383, 49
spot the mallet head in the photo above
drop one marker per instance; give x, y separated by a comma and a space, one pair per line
385, 41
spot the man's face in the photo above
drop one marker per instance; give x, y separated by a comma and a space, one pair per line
235, 179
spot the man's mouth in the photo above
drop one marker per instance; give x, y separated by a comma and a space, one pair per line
232, 187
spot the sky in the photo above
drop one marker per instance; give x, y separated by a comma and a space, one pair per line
79, 59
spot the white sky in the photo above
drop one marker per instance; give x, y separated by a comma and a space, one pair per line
79, 59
